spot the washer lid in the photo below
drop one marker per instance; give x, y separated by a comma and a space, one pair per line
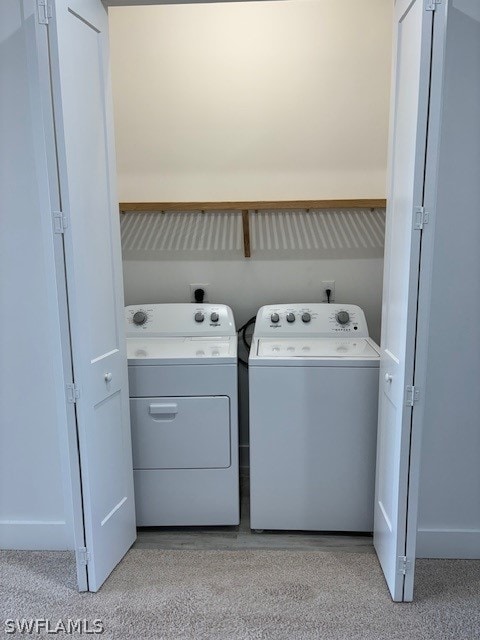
329, 348
186, 350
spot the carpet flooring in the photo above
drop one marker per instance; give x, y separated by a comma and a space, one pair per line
246, 595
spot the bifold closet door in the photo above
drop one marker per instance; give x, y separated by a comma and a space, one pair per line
396, 488
78, 32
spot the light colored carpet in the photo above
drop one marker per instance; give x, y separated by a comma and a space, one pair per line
243, 595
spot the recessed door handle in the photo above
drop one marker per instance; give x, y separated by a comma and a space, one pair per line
163, 411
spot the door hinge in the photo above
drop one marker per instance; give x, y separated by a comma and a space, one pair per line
431, 5
73, 392
44, 8
403, 565
420, 218
83, 556
60, 222
412, 395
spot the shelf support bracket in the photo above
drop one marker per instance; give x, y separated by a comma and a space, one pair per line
246, 233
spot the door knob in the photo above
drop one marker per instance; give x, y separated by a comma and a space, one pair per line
388, 377
108, 377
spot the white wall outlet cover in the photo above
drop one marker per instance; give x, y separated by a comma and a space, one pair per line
194, 287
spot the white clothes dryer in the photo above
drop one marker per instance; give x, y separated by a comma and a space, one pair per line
313, 384
182, 364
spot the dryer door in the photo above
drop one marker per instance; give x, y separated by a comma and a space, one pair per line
181, 432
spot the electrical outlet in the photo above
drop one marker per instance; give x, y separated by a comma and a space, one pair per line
328, 284
193, 288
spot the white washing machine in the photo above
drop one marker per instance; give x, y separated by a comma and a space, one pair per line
182, 364
313, 380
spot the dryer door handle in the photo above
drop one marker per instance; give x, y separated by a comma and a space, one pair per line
163, 410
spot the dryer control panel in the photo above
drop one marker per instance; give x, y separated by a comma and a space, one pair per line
319, 320
182, 319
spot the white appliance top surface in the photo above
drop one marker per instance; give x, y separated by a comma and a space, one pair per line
178, 320
182, 350
315, 320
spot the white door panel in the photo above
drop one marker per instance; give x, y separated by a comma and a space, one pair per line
107, 373
92, 249
412, 43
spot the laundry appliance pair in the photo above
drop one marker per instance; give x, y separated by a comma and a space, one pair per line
313, 386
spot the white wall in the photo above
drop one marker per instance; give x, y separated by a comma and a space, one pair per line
246, 285
35, 503
251, 100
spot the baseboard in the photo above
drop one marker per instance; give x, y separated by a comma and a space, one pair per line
35, 536
453, 543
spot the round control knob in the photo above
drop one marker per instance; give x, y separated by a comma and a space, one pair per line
199, 317
290, 317
139, 318
275, 318
306, 317
214, 317
343, 317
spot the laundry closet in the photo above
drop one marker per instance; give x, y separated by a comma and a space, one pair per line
269, 123
227, 102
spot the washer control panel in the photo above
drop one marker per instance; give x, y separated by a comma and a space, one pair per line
182, 319
318, 319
